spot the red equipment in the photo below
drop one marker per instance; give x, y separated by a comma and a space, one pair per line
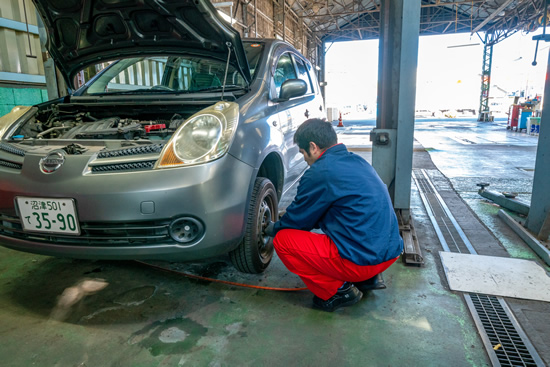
154, 127
513, 117
340, 124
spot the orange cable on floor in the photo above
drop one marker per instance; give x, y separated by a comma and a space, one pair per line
222, 281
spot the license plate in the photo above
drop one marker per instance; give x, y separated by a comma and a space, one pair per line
48, 215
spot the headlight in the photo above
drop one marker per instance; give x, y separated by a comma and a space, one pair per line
204, 137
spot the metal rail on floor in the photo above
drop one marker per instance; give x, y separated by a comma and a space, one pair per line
412, 254
505, 341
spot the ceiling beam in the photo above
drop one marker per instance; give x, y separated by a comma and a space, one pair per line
494, 14
377, 9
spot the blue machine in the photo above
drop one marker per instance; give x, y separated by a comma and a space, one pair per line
525, 114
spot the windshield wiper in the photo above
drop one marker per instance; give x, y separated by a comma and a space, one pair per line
145, 91
220, 88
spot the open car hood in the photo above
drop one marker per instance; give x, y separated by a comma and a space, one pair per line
83, 32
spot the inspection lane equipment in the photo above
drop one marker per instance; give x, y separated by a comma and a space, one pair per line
505, 200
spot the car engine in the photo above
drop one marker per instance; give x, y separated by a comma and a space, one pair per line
59, 124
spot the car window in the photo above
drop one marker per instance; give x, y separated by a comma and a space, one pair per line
164, 74
283, 71
313, 76
302, 73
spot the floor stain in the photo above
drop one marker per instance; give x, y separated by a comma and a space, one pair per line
174, 336
136, 296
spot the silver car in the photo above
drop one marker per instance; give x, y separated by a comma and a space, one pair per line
180, 148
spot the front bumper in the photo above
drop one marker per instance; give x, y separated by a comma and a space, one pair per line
126, 215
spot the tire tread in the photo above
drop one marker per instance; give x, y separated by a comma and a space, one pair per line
243, 256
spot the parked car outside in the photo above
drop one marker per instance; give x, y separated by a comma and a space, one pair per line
180, 149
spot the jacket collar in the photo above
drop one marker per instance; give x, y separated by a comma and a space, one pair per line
333, 149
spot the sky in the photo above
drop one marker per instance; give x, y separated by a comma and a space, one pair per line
447, 77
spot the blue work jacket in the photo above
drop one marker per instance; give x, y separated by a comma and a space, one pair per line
343, 195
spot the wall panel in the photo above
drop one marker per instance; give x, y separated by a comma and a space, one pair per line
19, 50
22, 80
270, 17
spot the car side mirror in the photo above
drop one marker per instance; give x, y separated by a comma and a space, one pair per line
292, 88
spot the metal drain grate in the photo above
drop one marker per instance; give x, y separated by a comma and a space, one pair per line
504, 340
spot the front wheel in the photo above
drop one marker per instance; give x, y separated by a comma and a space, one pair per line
255, 251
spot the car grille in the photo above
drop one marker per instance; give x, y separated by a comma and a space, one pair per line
121, 159
97, 234
5, 147
11, 149
9, 164
145, 149
106, 161
124, 166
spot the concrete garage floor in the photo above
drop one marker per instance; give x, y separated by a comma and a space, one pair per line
62, 312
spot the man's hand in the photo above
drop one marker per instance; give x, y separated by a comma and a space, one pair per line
269, 229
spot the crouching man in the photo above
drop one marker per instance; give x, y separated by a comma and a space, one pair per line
343, 196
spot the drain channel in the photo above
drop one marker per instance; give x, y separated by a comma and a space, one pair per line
503, 335
506, 343
454, 239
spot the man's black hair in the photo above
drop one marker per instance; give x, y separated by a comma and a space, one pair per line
318, 131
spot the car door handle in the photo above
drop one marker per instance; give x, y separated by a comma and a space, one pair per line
306, 114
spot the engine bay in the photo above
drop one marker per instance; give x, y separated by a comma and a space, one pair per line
105, 122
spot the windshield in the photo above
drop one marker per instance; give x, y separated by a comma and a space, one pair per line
169, 74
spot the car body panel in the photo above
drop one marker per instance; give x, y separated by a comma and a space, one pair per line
193, 191
85, 31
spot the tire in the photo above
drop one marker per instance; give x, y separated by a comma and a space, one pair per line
255, 251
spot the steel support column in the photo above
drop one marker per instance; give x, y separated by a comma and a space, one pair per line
397, 63
246, 30
484, 111
321, 74
540, 199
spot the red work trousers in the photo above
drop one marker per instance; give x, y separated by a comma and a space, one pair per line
315, 259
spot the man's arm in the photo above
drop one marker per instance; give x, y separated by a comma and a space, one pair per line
310, 204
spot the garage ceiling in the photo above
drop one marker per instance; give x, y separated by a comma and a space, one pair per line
346, 20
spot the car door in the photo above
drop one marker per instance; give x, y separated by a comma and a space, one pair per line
312, 106
288, 116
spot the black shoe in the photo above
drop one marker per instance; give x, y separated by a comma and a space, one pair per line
376, 282
347, 296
